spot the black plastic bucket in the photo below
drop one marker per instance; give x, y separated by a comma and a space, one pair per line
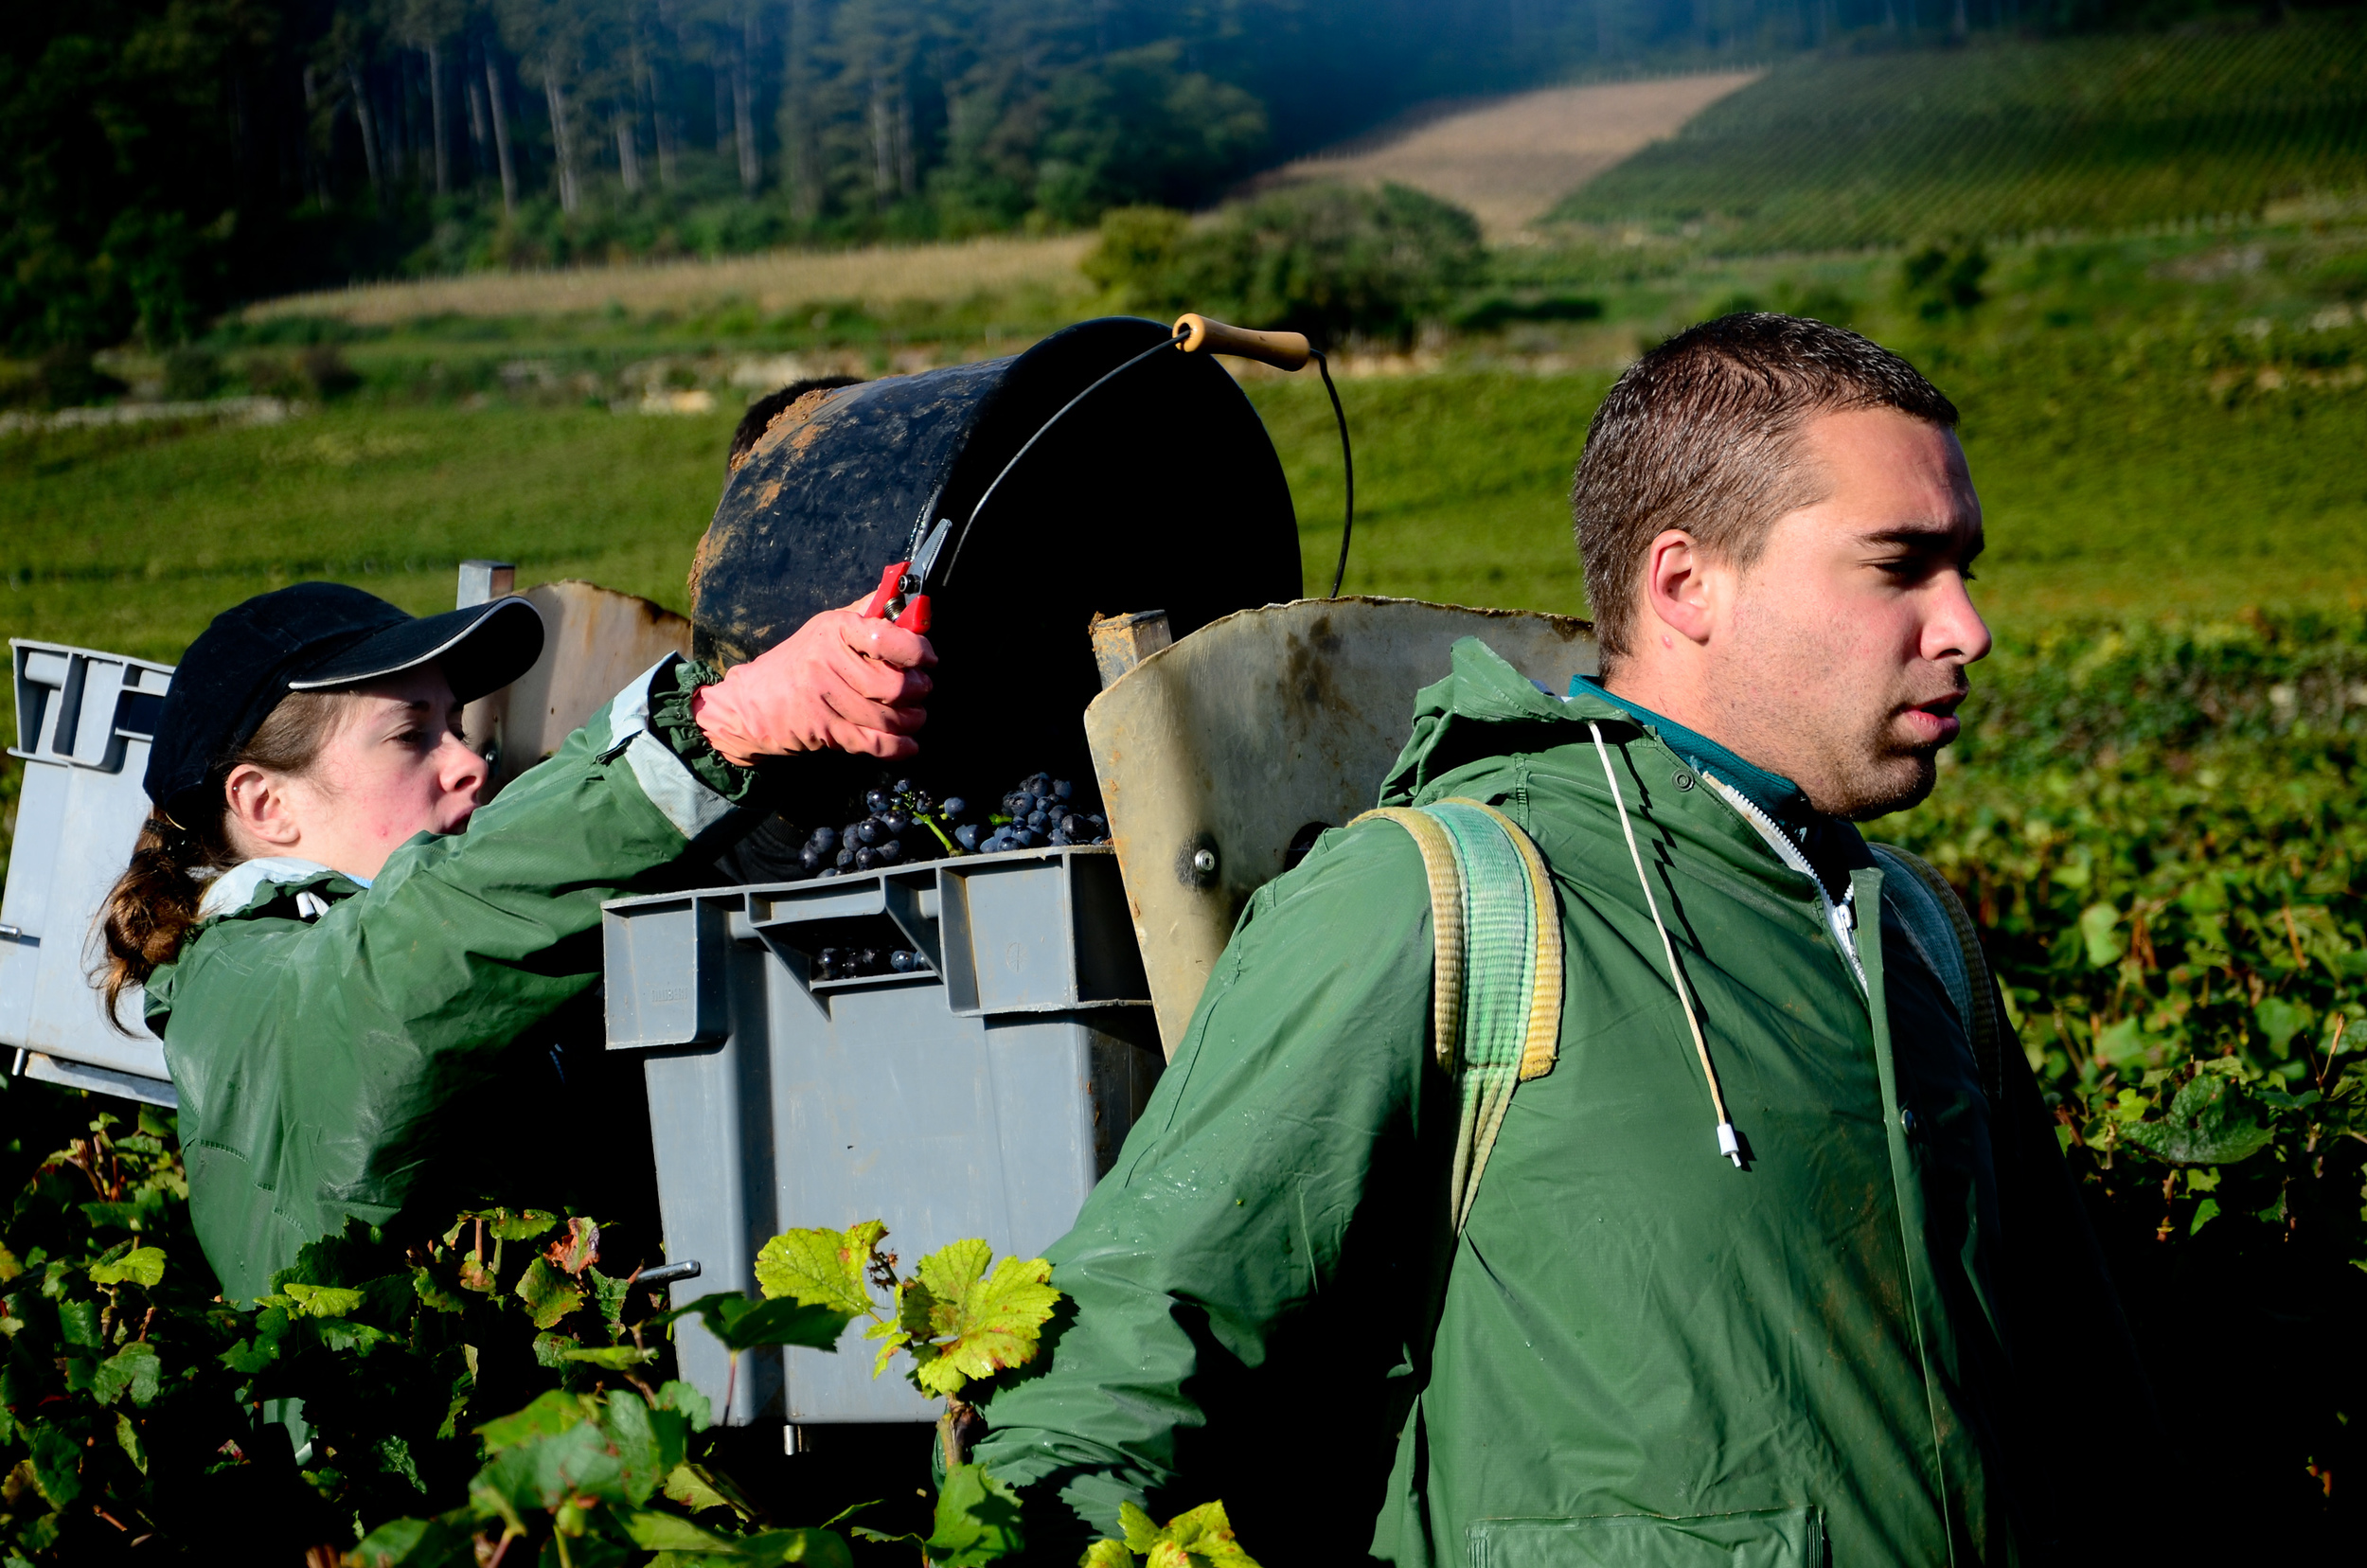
1161, 492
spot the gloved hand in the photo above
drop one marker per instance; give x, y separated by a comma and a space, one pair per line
840, 681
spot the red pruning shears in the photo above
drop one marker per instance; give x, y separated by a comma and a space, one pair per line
904, 596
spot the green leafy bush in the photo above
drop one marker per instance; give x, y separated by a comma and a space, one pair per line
1328, 260
2158, 832
378, 1380
1939, 280
432, 1404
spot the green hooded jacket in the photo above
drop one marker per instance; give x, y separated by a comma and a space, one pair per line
1634, 1353
343, 1051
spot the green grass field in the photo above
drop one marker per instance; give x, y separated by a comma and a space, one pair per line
2011, 137
2116, 481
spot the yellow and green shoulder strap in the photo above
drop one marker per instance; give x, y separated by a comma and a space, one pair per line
1497, 970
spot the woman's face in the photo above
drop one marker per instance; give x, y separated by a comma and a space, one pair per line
396, 766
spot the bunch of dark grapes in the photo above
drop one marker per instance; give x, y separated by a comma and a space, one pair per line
902, 823
1042, 810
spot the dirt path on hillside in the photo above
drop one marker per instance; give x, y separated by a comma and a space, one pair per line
1511, 159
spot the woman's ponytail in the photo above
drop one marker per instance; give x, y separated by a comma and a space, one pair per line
153, 906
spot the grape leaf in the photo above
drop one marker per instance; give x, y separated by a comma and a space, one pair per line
676, 1395
571, 1451
128, 1439
1207, 1535
552, 1412
744, 1324
345, 1335
1107, 1554
967, 1323
320, 1301
433, 1297
57, 1461
822, 1268
578, 1247
685, 1546
417, 1543
549, 1295
250, 1356
2104, 944
141, 1265
614, 1358
517, 1224
1192, 1538
657, 1532
136, 1368
648, 1443
1142, 1531
687, 1485
893, 1338
2212, 1122
607, 1295
977, 1520
544, 1472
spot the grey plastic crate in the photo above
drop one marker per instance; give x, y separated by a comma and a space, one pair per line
983, 1097
84, 723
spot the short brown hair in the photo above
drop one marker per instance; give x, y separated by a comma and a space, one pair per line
1701, 435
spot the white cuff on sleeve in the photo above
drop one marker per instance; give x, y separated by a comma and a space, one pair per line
666, 778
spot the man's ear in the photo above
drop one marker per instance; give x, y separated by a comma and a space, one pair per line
258, 808
1679, 591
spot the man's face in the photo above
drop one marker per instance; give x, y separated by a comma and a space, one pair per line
1845, 642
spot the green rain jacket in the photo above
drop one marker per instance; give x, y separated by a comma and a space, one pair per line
1634, 1353
340, 1051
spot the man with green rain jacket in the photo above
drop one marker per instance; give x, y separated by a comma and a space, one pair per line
1762, 1271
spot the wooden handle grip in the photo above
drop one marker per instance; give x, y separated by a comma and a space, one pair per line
1283, 350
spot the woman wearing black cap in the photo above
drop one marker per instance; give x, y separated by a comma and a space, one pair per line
341, 951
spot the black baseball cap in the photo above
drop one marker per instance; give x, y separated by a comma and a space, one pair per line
318, 636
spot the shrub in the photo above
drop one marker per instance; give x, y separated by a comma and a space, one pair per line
1940, 280
1136, 251
191, 374
1490, 312
325, 372
61, 378
1328, 260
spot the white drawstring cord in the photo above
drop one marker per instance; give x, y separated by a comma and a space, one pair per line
1728, 1144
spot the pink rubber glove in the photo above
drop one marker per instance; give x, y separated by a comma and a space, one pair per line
839, 683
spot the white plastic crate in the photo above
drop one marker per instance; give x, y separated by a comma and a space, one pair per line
84, 723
